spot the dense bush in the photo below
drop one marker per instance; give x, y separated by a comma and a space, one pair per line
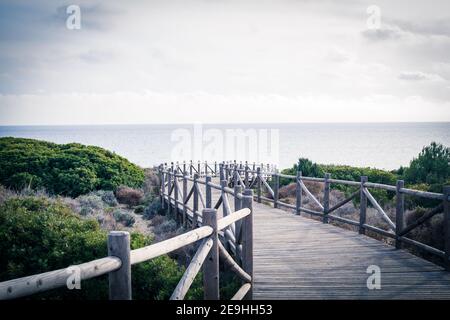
432, 166
342, 172
108, 197
129, 196
89, 204
66, 169
151, 181
39, 235
123, 217
139, 209
153, 209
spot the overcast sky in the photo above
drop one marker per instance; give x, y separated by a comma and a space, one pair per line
224, 61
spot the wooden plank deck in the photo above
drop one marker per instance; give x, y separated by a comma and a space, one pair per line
300, 258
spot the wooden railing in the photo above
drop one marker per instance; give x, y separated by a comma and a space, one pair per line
263, 180
236, 226
121, 258
179, 189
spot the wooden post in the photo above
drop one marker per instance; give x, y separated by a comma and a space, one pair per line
276, 189
185, 194
190, 168
163, 186
206, 168
211, 264
258, 184
237, 201
195, 202
169, 187
399, 210
246, 184
215, 169
223, 184
227, 173
208, 196
247, 239
326, 198
298, 194
120, 280
446, 204
175, 197
237, 206
199, 169
362, 206
184, 167
235, 178
221, 172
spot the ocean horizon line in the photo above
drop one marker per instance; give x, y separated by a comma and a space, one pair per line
222, 123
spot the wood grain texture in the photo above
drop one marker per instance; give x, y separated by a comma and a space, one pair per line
300, 258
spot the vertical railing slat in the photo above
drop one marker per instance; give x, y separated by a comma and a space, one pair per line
211, 264
399, 211
362, 206
247, 239
120, 280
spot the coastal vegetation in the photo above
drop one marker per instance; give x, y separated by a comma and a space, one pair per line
58, 202
63, 169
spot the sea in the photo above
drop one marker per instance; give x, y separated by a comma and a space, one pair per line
380, 145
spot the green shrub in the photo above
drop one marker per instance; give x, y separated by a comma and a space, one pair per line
89, 204
123, 217
139, 209
342, 172
39, 235
432, 166
153, 209
66, 169
108, 197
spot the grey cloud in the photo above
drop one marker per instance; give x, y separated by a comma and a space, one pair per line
429, 28
418, 76
384, 33
95, 56
395, 29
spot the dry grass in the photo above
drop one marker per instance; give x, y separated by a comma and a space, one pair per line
129, 196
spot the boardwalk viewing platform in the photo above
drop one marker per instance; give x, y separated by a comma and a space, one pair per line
234, 214
296, 257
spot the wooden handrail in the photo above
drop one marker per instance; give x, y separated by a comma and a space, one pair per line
233, 265
26, 286
194, 267
235, 216
169, 245
240, 294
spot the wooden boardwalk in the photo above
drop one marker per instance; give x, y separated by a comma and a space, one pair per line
300, 258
